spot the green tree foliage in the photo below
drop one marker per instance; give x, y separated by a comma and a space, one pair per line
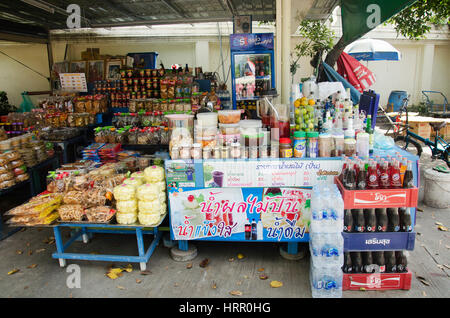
416, 21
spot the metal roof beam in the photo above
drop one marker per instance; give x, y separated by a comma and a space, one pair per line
160, 21
171, 7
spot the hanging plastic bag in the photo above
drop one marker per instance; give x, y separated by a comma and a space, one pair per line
26, 105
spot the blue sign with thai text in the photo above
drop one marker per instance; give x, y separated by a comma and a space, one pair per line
251, 41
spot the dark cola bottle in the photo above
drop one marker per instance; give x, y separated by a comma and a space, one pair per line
350, 180
371, 220
378, 259
382, 219
393, 220
358, 220
362, 177
391, 266
405, 219
368, 265
348, 221
347, 268
357, 264
401, 262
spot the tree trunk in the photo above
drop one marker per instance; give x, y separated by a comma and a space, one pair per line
335, 52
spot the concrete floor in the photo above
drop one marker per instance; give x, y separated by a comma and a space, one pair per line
168, 278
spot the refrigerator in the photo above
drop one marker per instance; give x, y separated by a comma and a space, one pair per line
252, 68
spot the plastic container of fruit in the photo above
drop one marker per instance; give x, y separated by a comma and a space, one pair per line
229, 116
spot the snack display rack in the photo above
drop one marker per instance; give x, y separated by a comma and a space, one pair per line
380, 241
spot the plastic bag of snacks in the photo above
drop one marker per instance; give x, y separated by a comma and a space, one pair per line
148, 192
149, 218
128, 206
139, 175
100, 214
135, 182
71, 212
124, 192
126, 218
154, 174
149, 206
163, 209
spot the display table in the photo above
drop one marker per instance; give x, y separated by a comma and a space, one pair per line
84, 229
228, 200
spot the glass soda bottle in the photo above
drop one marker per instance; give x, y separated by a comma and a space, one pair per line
358, 220
389, 257
401, 262
357, 265
370, 220
395, 175
362, 177
405, 219
385, 181
372, 177
408, 179
382, 219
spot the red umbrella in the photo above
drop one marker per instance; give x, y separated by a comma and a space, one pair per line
354, 72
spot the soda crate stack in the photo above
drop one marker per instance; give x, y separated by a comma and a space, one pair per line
326, 243
378, 198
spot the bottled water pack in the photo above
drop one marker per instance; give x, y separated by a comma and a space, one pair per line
326, 242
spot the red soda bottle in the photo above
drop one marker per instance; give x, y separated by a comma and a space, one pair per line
395, 175
385, 181
372, 182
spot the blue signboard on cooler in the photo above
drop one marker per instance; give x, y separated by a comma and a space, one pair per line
251, 41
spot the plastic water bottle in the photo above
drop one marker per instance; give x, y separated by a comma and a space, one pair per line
325, 281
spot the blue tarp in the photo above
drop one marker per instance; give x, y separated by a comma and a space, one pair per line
334, 76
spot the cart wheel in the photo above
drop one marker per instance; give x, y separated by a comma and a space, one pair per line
411, 145
183, 256
293, 257
62, 262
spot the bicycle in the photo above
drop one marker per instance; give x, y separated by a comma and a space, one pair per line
407, 140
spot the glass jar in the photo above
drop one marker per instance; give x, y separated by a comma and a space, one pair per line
274, 150
224, 152
263, 151
325, 145
235, 150
185, 151
312, 144
285, 148
207, 153
196, 151
216, 152
175, 153
350, 147
299, 144
253, 152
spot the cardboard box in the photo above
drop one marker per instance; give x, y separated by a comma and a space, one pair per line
423, 129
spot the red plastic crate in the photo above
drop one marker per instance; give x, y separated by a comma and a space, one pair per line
377, 281
379, 198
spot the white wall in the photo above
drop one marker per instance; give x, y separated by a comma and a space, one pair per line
16, 78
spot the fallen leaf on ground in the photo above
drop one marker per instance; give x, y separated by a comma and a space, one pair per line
112, 275
447, 246
214, 285
189, 266
362, 289
438, 223
261, 269
424, 294
26, 287
419, 209
239, 283
32, 266
263, 277
236, 293
129, 268
115, 270
275, 284
445, 265
146, 272
231, 259
121, 287
30, 252
40, 250
204, 263
240, 256
175, 285
442, 228
245, 276
423, 280
13, 271
138, 281
19, 252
